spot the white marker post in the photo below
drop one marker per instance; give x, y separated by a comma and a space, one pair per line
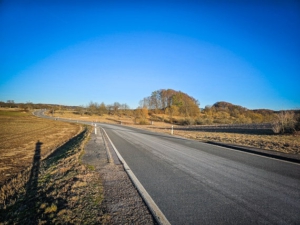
95, 129
172, 131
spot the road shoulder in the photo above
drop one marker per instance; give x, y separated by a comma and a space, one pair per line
121, 200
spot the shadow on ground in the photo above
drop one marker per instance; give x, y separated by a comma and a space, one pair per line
36, 200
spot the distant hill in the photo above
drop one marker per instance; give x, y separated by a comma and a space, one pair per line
227, 105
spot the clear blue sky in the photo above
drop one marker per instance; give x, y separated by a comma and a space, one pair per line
74, 52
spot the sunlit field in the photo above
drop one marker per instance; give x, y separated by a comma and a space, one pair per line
20, 134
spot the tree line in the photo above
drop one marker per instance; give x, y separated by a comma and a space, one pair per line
224, 112
176, 107
94, 108
26, 106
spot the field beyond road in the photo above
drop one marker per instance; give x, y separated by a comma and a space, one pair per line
21, 133
286, 143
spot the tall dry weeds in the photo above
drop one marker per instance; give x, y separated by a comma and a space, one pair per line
284, 122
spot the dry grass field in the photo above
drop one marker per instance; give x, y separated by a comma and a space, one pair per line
282, 143
21, 133
94, 118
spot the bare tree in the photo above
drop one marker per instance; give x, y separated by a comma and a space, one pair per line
81, 110
144, 103
110, 109
92, 108
28, 106
10, 103
116, 107
125, 108
284, 122
102, 109
53, 109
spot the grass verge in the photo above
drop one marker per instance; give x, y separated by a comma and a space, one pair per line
58, 189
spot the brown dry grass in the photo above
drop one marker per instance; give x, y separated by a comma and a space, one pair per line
281, 143
19, 133
94, 118
64, 192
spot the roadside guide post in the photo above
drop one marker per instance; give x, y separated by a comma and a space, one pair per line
172, 131
95, 129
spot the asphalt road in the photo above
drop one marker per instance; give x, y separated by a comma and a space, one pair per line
197, 183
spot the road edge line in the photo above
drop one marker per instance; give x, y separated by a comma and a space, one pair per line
155, 210
108, 153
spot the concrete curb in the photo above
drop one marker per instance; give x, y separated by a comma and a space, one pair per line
156, 212
267, 153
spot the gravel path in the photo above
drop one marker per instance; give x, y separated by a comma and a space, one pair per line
121, 199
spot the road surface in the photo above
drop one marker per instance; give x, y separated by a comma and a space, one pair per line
198, 183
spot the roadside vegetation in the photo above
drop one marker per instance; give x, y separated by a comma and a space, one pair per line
56, 190
252, 137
